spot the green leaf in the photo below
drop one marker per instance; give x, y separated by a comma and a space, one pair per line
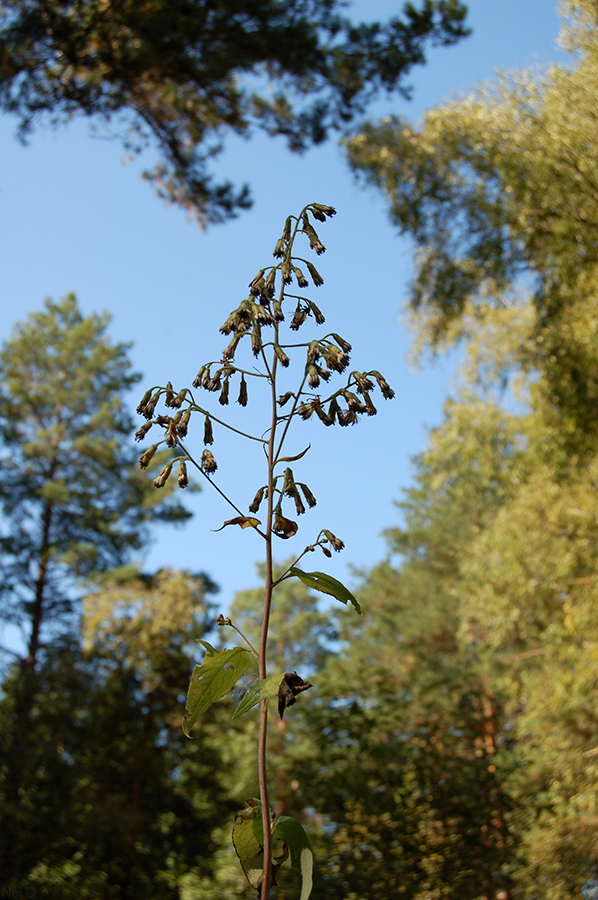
300, 857
327, 585
248, 841
214, 678
266, 687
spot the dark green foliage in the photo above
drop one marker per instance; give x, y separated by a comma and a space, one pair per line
184, 72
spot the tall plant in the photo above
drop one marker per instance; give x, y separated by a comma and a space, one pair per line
263, 841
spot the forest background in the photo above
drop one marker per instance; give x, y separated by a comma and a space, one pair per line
465, 701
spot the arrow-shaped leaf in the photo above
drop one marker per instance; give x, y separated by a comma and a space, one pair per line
327, 585
266, 687
214, 678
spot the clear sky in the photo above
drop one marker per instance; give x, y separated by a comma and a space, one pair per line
75, 218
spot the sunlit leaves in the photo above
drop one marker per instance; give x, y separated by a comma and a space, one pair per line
326, 584
211, 680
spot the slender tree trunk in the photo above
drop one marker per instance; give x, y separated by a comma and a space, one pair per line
24, 700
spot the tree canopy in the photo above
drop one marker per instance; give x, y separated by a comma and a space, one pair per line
186, 72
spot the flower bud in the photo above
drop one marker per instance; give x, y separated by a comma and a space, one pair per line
208, 463
208, 436
337, 544
184, 422
285, 398
242, 401
169, 394
182, 479
145, 458
162, 478
326, 552
286, 234
141, 432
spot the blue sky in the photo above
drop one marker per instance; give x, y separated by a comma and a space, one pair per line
76, 218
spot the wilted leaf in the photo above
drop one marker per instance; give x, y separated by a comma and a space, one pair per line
243, 521
291, 685
327, 585
265, 687
211, 680
293, 458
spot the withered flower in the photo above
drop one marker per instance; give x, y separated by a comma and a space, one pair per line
242, 401
301, 279
256, 339
315, 275
255, 503
318, 314
171, 434
311, 500
208, 463
141, 432
313, 352
223, 398
182, 479
184, 422
169, 394
284, 398
387, 391
278, 251
146, 457
337, 544
298, 318
162, 478
283, 358
343, 344
208, 435
143, 403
